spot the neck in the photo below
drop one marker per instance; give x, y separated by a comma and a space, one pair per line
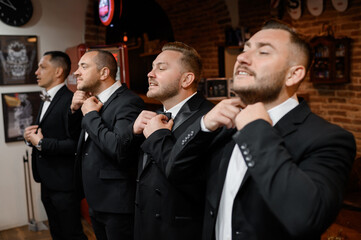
171, 102
103, 86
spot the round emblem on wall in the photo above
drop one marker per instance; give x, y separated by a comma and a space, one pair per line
106, 11
315, 7
340, 5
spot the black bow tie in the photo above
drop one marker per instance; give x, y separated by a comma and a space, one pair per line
167, 114
45, 97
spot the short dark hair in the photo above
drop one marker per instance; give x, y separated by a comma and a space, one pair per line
106, 59
60, 59
191, 60
295, 38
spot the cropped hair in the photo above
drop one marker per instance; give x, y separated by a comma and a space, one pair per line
106, 59
60, 59
295, 38
190, 59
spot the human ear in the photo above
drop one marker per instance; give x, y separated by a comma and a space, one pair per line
104, 73
295, 75
59, 71
187, 79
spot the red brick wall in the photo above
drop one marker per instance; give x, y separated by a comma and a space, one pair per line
200, 24
95, 34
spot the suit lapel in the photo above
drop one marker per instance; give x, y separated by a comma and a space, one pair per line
37, 121
112, 97
187, 110
288, 123
53, 102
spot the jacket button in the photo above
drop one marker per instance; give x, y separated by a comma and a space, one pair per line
157, 215
137, 180
245, 151
158, 191
211, 213
238, 233
243, 146
248, 158
250, 164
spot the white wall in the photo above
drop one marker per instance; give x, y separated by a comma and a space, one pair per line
59, 24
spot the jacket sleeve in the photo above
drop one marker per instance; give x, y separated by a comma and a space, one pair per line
304, 194
115, 140
66, 146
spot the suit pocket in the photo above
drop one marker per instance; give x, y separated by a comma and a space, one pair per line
112, 174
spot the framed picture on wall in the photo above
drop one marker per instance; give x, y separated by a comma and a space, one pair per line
217, 88
18, 59
20, 111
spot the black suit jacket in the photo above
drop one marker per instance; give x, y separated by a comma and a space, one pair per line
106, 168
296, 175
54, 165
170, 208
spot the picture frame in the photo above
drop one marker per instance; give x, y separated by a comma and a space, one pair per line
217, 88
20, 110
18, 59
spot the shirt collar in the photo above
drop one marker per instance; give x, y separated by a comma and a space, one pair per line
52, 91
105, 95
282, 109
174, 110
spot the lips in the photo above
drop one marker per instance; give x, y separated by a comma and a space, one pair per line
244, 72
152, 84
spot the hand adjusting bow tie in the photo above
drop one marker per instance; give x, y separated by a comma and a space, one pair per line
45, 97
168, 114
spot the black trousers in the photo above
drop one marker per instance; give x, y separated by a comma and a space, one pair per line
112, 226
63, 211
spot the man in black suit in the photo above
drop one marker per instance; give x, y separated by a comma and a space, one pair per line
276, 170
53, 154
169, 208
105, 108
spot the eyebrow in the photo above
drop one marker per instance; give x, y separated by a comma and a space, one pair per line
260, 44
159, 63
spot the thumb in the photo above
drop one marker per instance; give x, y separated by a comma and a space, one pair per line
170, 123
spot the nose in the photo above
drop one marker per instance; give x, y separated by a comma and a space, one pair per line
37, 72
244, 57
151, 74
76, 73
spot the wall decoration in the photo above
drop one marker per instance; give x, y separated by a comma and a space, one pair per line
340, 5
18, 59
217, 88
315, 7
294, 9
20, 111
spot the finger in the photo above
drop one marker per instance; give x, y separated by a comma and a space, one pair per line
170, 124
161, 117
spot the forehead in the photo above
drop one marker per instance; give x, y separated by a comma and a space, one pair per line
168, 56
87, 57
278, 38
45, 59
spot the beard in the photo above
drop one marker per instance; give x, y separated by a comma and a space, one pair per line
90, 86
266, 90
163, 93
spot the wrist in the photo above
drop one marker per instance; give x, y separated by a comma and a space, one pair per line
39, 145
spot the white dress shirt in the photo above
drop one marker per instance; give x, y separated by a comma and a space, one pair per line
51, 92
235, 174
